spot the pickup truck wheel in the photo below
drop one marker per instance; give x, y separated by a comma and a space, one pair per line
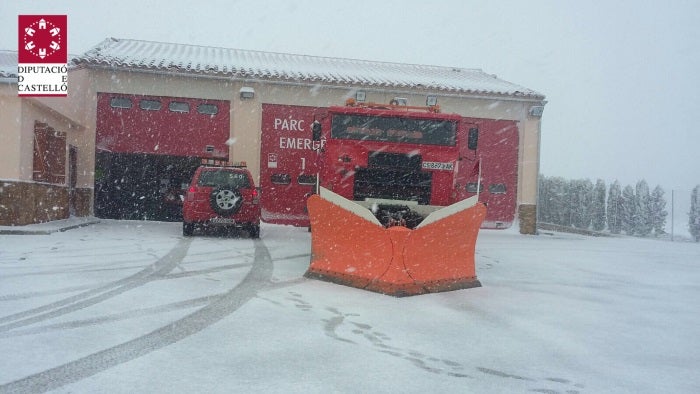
254, 231
225, 201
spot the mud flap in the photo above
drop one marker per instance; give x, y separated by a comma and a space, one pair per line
349, 246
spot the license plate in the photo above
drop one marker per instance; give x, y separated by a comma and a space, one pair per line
436, 165
222, 221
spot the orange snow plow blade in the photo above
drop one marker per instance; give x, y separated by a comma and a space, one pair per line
349, 246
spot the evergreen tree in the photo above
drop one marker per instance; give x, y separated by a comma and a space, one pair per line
559, 212
579, 203
544, 211
658, 211
694, 214
615, 208
572, 199
598, 206
642, 212
628, 210
580, 197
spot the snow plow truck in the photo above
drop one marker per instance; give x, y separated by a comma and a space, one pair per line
391, 213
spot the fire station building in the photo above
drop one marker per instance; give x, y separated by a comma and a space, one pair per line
140, 116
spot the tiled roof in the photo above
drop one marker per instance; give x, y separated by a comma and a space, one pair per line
246, 64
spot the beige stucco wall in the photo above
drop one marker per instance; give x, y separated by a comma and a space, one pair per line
529, 159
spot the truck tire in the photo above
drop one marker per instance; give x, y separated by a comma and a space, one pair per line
254, 231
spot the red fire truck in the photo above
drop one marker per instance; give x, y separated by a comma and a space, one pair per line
407, 165
397, 153
386, 152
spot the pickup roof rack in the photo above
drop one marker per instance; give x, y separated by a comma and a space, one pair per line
223, 163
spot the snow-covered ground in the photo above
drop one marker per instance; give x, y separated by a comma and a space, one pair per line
124, 307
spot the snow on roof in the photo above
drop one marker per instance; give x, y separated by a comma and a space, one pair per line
247, 64
9, 61
8, 64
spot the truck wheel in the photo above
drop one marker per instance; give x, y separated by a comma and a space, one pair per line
254, 231
187, 229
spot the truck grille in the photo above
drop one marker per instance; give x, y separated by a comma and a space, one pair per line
393, 176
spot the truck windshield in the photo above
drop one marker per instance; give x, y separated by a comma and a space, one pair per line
394, 129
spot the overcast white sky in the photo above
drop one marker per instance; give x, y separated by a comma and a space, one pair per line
621, 77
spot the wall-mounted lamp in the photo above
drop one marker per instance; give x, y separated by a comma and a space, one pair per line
247, 93
431, 101
360, 96
536, 110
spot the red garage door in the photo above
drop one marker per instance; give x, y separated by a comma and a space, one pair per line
160, 125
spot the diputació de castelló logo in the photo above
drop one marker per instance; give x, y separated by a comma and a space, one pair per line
42, 48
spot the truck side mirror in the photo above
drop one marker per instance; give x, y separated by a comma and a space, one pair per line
316, 130
473, 138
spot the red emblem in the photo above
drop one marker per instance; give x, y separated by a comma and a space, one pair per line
43, 39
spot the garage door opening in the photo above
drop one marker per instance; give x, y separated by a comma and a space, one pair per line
137, 186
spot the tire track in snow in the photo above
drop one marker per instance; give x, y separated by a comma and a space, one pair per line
22, 296
195, 302
258, 278
83, 300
